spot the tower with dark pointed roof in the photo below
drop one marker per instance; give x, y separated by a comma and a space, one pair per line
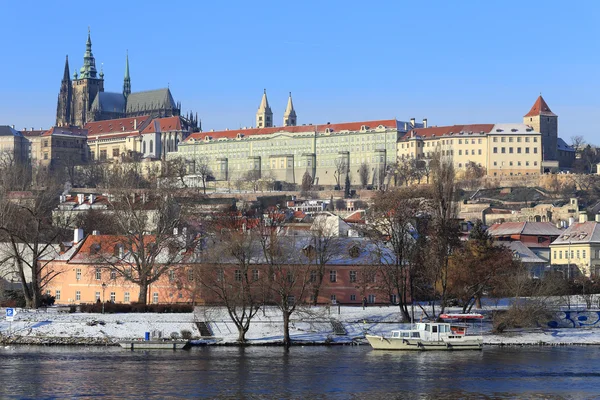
63, 107
127, 79
544, 121
289, 117
264, 115
86, 87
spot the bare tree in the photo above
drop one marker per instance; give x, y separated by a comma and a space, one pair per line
444, 233
363, 173
29, 236
232, 276
577, 142
324, 245
289, 274
394, 233
341, 168
203, 171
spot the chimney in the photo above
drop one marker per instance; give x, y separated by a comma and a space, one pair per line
135, 124
412, 122
77, 235
175, 231
92, 198
583, 217
424, 122
12, 126
95, 232
597, 217
571, 221
62, 198
80, 198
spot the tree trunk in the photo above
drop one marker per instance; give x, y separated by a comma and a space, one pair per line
241, 335
286, 331
143, 297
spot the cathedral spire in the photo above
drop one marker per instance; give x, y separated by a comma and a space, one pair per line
264, 115
67, 74
289, 117
127, 79
89, 62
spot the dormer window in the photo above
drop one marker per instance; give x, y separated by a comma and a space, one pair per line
239, 136
354, 251
499, 130
514, 130
95, 248
364, 128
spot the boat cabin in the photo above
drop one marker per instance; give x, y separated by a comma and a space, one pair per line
432, 331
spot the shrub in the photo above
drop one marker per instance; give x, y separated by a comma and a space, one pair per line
114, 308
526, 314
186, 334
47, 300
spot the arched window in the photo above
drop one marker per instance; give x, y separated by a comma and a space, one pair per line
151, 149
144, 148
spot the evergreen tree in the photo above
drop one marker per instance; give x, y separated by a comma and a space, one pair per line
347, 187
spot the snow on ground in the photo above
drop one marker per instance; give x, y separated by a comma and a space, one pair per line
309, 325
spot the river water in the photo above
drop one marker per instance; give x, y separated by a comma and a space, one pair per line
339, 372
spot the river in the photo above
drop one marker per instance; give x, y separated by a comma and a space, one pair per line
338, 372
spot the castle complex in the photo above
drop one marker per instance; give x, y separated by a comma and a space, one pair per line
83, 99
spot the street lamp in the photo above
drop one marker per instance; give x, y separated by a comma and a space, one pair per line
103, 289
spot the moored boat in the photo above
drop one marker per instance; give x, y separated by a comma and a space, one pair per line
428, 336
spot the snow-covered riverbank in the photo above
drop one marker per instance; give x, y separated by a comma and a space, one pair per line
316, 325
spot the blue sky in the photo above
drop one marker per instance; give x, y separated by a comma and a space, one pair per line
448, 61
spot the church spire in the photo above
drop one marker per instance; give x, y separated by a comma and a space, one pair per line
89, 62
66, 74
264, 115
289, 117
127, 79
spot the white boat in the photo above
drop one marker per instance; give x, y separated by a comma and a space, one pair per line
428, 336
154, 344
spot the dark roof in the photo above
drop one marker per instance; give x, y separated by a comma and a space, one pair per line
6, 130
562, 145
109, 102
448, 130
150, 100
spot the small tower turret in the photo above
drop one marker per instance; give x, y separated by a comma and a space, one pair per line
289, 117
264, 115
127, 80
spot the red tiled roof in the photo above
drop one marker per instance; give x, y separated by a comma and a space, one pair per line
116, 125
446, 130
350, 126
166, 124
356, 217
540, 108
32, 133
107, 244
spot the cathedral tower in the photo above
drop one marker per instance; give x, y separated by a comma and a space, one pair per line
289, 117
63, 107
544, 121
127, 79
86, 87
264, 115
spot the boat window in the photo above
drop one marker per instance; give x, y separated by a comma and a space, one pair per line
434, 328
427, 327
395, 334
405, 334
415, 334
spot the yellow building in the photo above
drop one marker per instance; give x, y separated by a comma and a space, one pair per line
577, 250
136, 137
59, 147
502, 149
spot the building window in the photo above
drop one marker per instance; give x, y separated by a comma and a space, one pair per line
238, 275
151, 147
333, 299
518, 150
113, 275
113, 297
102, 154
479, 151
57, 296
78, 274
495, 140
503, 150
255, 275
126, 297
560, 255
98, 274
503, 140
352, 276
394, 299
495, 150
220, 275
583, 253
371, 298
313, 276
352, 297
333, 276
535, 150
510, 150
45, 143
577, 253
554, 253
190, 275
171, 275
115, 152
155, 298
78, 295
97, 296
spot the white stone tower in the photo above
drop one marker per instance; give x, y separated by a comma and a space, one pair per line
264, 115
289, 117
